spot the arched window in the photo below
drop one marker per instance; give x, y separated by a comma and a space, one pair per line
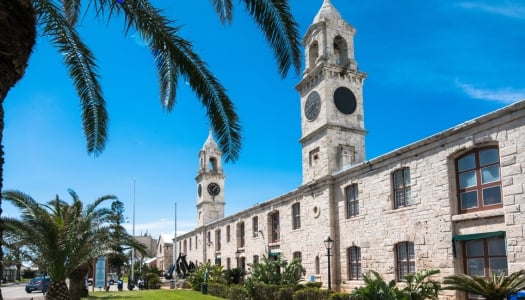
212, 164
313, 54
317, 265
478, 180
296, 216
340, 51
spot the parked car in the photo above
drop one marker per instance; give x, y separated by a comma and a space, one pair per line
112, 278
37, 284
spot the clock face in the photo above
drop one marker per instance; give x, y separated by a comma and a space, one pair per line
344, 100
214, 189
199, 189
312, 106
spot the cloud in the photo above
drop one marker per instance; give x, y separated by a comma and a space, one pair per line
502, 95
506, 8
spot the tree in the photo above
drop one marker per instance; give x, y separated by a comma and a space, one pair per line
174, 57
116, 219
67, 237
495, 287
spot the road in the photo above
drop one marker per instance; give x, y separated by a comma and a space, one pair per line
16, 291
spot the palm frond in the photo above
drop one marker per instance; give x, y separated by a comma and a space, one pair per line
83, 70
174, 55
225, 10
275, 19
71, 9
497, 286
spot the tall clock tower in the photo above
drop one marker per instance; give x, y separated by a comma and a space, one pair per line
331, 91
210, 183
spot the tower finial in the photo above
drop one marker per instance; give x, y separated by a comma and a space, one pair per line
327, 11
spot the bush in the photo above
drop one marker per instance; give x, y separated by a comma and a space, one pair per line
218, 290
234, 276
312, 294
237, 292
153, 281
210, 273
340, 296
263, 291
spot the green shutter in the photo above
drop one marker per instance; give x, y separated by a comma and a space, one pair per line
475, 236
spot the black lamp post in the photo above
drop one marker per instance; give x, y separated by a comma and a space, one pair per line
328, 243
237, 254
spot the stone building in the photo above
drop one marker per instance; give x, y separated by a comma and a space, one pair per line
451, 201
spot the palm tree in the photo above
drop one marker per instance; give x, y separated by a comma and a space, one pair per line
174, 57
67, 237
495, 287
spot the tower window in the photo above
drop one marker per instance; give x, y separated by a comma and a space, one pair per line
340, 51
313, 54
212, 164
314, 157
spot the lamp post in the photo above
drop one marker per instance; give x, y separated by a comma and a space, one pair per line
237, 254
328, 243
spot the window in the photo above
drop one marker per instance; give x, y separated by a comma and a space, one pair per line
340, 51
240, 235
297, 255
218, 240
317, 265
296, 215
478, 179
402, 196
354, 263
314, 157
190, 243
228, 263
313, 54
256, 259
228, 234
255, 226
218, 260
274, 227
405, 259
485, 256
212, 164
352, 201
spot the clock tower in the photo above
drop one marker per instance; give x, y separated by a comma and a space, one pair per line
210, 183
331, 91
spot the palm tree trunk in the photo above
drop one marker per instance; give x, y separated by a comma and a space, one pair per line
77, 282
17, 38
57, 291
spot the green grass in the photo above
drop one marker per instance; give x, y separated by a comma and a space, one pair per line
151, 295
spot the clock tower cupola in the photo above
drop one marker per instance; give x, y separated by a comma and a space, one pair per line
210, 183
331, 91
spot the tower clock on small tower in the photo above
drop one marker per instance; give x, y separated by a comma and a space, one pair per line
210, 183
331, 91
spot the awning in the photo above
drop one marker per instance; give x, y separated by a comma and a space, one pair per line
475, 236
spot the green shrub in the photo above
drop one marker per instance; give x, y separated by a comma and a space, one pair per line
316, 285
339, 296
234, 276
285, 293
153, 280
210, 273
218, 290
312, 294
237, 292
265, 291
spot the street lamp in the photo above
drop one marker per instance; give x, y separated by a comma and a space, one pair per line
237, 254
328, 243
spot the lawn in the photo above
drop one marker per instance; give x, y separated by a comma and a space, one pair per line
151, 295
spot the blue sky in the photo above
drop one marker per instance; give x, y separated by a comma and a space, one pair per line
431, 65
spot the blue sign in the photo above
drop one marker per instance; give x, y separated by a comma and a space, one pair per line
100, 272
